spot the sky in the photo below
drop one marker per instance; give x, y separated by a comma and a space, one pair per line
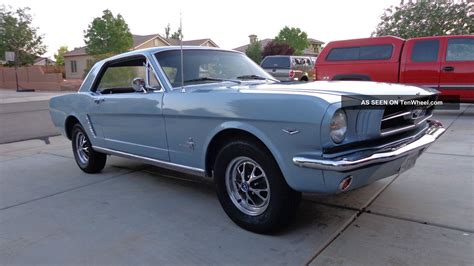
227, 23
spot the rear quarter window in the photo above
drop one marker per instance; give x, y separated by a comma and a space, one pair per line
276, 62
372, 52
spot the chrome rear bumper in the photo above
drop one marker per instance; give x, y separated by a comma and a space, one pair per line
434, 131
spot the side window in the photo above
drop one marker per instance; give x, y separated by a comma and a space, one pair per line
460, 50
342, 54
118, 77
153, 80
425, 51
376, 52
372, 52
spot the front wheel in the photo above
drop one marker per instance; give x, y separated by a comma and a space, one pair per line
251, 188
89, 160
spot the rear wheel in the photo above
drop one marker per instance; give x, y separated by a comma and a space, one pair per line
87, 159
251, 188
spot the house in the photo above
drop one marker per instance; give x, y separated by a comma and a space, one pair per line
315, 46
43, 61
77, 61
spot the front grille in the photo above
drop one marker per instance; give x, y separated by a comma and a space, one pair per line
397, 119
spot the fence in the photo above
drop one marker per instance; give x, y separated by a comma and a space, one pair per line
32, 77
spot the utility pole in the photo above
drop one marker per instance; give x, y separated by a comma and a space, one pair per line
16, 74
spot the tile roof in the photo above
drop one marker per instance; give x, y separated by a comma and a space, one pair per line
197, 42
141, 39
242, 48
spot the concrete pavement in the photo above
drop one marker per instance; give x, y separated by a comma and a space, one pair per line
52, 213
25, 115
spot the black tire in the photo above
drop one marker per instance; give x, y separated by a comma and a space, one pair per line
282, 203
94, 161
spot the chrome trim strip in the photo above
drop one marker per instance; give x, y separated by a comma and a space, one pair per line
395, 116
393, 131
159, 163
456, 86
91, 128
434, 131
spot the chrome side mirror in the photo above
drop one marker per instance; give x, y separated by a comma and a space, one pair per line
138, 85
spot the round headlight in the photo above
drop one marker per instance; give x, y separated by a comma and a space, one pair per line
338, 127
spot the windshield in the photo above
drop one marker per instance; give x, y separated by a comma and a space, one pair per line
206, 66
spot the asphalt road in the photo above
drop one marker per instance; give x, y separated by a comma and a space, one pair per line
25, 120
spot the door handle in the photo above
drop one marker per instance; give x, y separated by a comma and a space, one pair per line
99, 100
448, 68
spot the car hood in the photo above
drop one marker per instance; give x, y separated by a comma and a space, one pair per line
330, 91
347, 88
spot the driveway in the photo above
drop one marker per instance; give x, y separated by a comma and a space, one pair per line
131, 213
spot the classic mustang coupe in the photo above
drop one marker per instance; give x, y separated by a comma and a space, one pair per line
215, 113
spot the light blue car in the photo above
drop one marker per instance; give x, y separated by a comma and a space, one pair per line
212, 112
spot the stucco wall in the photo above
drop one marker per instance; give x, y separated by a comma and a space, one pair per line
152, 43
81, 65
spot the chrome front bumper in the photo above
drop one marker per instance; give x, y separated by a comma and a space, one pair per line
434, 131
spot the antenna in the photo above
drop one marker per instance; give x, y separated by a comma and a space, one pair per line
181, 44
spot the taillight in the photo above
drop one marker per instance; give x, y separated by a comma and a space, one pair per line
292, 73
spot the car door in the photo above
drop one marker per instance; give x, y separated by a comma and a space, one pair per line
130, 121
457, 67
422, 63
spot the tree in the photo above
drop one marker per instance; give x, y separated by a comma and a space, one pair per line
177, 35
18, 35
107, 35
275, 48
294, 37
59, 56
254, 51
426, 18
167, 31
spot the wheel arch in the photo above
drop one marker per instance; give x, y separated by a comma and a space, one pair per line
71, 120
233, 132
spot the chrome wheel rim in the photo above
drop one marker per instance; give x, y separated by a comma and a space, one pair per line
82, 148
247, 186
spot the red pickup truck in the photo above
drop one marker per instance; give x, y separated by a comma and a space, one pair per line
445, 63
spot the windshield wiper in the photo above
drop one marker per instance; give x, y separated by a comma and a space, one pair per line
255, 77
212, 79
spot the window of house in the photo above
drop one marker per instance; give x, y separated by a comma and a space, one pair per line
372, 52
73, 66
460, 50
425, 51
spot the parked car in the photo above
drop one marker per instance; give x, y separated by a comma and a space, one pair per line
220, 115
289, 68
445, 63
